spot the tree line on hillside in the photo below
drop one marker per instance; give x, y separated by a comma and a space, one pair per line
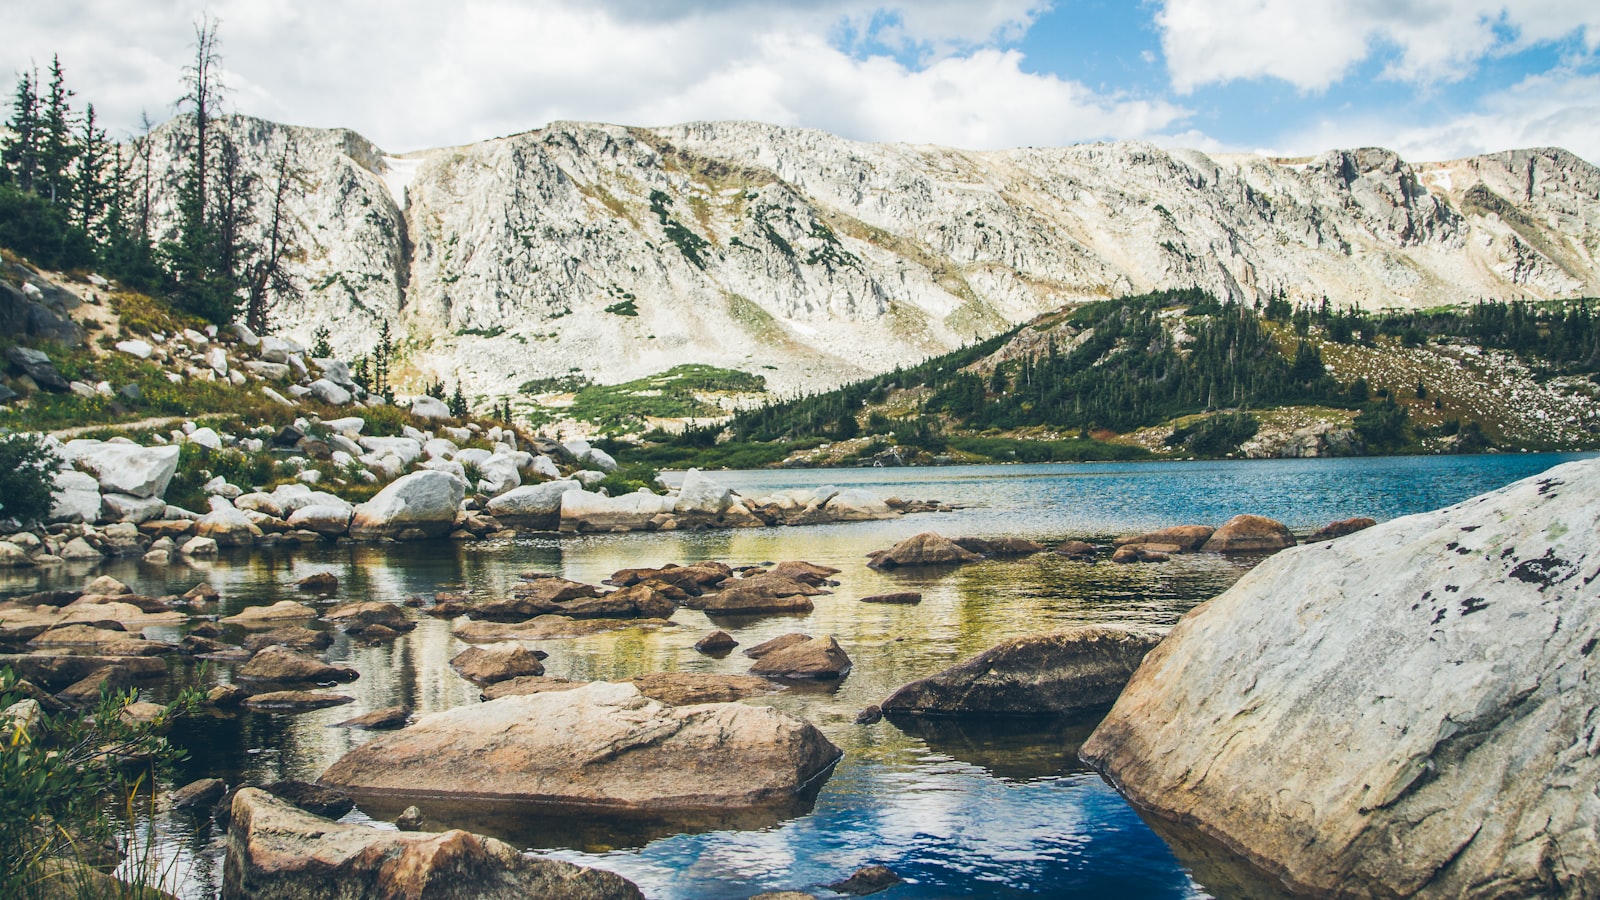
1562, 334
1119, 365
71, 198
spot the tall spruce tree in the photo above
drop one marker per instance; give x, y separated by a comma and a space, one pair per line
91, 182
20, 152
202, 273
57, 151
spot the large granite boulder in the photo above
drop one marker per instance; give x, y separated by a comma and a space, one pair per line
532, 506
1046, 674
125, 468
422, 501
277, 851
1249, 534
1407, 711
602, 746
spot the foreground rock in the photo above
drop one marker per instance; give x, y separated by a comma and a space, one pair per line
277, 851
1409, 710
1047, 674
601, 746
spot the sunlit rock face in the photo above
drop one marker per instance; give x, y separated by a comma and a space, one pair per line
1407, 710
618, 252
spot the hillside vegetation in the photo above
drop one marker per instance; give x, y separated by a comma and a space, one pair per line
1181, 373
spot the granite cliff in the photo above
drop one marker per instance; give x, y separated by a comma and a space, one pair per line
616, 252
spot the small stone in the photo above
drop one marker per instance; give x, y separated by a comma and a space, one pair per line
716, 643
322, 583
203, 793
380, 719
869, 880
870, 716
410, 820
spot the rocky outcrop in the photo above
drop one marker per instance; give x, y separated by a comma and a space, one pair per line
422, 504
602, 747
496, 662
1409, 710
1049, 674
834, 258
277, 851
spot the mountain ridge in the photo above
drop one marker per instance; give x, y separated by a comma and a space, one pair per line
615, 252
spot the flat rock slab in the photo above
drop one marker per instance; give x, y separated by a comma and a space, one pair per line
295, 701
277, 851
1409, 710
601, 746
1048, 674
270, 616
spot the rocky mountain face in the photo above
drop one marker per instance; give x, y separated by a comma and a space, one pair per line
618, 252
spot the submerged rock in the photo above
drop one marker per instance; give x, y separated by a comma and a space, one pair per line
1407, 711
277, 851
601, 746
1047, 674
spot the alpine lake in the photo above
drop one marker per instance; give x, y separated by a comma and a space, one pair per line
985, 808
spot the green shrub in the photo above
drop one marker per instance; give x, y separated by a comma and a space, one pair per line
60, 777
197, 465
1216, 435
27, 476
629, 478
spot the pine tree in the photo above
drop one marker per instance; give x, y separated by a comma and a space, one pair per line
91, 185
202, 279
20, 153
57, 149
458, 402
269, 281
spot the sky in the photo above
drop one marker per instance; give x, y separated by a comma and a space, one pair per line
1432, 79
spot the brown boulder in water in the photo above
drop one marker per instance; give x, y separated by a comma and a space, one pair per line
602, 746
926, 549
1061, 672
819, 658
279, 852
1249, 534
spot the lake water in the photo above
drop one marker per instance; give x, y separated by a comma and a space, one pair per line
973, 810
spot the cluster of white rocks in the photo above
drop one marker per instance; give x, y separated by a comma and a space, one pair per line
110, 495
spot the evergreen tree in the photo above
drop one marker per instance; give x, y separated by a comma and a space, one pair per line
91, 181
20, 152
458, 402
201, 274
269, 282
57, 150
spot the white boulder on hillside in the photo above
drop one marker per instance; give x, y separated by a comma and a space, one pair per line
124, 467
1413, 709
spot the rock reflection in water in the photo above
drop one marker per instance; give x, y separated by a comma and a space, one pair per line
1014, 748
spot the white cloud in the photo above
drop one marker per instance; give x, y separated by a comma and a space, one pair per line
1558, 108
1314, 45
415, 73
